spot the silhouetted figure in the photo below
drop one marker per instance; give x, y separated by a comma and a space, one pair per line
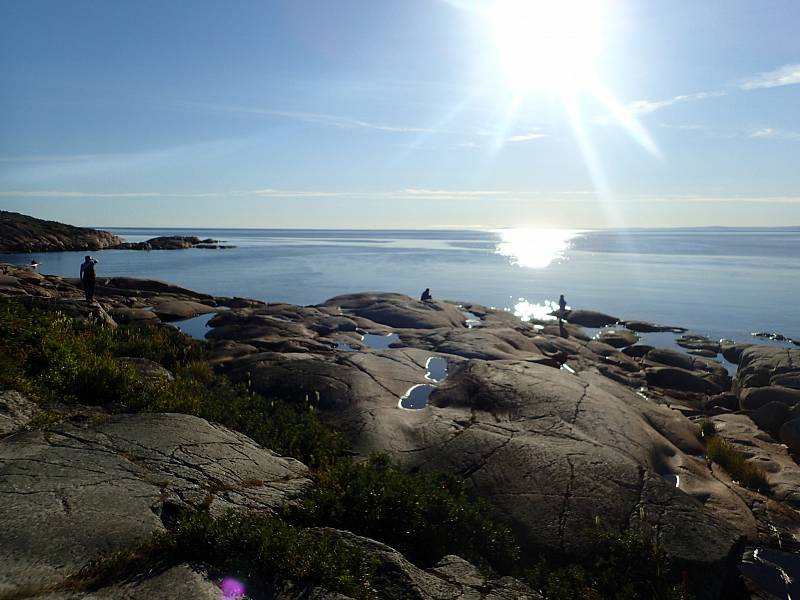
34, 264
426, 295
88, 277
562, 311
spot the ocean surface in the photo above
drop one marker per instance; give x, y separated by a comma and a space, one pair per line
723, 283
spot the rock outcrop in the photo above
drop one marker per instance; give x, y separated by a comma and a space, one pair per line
107, 487
555, 429
21, 233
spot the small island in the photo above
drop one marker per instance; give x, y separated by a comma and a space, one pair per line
22, 233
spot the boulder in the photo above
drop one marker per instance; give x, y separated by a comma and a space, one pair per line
731, 351
771, 416
590, 318
754, 398
637, 351
759, 364
646, 327
698, 342
124, 314
178, 310
790, 435
619, 338
105, 489
148, 371
673, 378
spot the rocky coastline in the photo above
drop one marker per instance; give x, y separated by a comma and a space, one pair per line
556, 428
21, 233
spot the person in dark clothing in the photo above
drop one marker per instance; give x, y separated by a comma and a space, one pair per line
562, 310
88, 277
426, 295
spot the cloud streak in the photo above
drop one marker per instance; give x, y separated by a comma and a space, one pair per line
785, 75
580, 196
639, 107
775, 134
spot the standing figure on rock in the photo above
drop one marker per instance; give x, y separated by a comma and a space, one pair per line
562, 308
426, 295
88, 277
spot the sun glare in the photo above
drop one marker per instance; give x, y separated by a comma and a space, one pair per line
549, 44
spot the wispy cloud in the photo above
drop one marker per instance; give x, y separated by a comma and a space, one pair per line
786, 75
775, 134
526, 137
421, 194
683, 126
31, 158
340, 121
650, 106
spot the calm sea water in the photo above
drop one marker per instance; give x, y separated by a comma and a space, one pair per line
718, 282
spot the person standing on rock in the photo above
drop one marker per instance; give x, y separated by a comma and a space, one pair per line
88, 277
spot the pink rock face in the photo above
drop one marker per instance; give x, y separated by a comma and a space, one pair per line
231, 588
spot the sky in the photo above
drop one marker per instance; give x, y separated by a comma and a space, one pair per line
401, 113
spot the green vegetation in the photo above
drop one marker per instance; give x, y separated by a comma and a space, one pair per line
423, 515
255, 546
627, 565
50, 357
735, 463
57, 360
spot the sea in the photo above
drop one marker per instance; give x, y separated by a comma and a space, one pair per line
719, 282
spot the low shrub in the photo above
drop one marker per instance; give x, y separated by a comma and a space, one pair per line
619, 565
423, 515
736, 464
257, 548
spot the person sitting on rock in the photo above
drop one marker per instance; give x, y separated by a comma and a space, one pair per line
88, 277
426, 295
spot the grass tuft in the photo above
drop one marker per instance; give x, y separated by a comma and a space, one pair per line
736, 464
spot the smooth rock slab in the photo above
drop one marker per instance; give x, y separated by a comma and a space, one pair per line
397, 310
96, 491
553, 451
590, 318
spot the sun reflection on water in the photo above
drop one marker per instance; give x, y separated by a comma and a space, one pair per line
534, 248
539, 312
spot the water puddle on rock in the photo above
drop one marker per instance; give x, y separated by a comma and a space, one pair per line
416, 397
436, 369
377, 341
196, 327
473, 320
773, 571
344, 347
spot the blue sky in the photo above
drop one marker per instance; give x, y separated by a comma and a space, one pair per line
399, 113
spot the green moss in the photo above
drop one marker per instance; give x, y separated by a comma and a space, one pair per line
736, 464
45, 419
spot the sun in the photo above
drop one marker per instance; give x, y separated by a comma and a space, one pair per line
547, 44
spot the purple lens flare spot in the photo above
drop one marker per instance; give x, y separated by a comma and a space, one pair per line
231, 588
